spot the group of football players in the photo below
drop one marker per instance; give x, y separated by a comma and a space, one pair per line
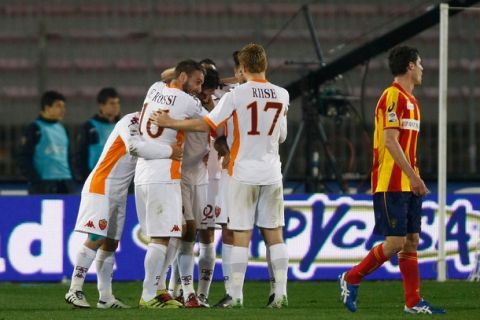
203, 152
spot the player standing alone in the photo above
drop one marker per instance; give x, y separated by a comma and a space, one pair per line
396, 185
258, 110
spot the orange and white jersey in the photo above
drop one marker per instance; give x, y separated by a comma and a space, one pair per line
179, 105
116, 166
258, 111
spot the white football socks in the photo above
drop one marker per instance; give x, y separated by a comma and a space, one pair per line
175, 283
206, 264
226, 265
279, 258
171, 255
239, 263
105, 260
271, 275
185, 266
85, 257
154, 262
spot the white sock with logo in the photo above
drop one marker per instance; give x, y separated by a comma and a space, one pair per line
154, 261
185, 266
206, 264
227, 266
279, 258
85, 257
105, 260
239, 263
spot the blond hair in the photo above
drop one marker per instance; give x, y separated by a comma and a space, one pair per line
253, 57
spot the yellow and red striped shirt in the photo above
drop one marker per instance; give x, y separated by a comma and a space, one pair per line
398, 110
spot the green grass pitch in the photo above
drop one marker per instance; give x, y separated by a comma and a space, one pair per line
308, 300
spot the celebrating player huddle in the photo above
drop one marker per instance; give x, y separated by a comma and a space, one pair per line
176, 194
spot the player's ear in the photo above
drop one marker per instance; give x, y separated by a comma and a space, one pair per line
183, 77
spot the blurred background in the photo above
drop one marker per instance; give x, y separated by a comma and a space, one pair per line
78, 47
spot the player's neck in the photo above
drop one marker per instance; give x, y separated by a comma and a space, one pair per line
255, 76
405, 83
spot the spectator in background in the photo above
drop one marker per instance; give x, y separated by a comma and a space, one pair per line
44, 157
94, 133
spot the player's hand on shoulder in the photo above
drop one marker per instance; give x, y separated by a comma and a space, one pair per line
177, 152
160, 118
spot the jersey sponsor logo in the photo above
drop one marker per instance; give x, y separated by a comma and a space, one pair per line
410, 124
89, 224
102, 224
207, 212
175, 228
391, 107
392, 117
134, 120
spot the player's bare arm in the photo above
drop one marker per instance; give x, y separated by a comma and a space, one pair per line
163, 120
391, 143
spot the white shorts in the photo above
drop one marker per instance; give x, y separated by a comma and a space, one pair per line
255, 205
221, 210
194, 200
159, 209
101, 215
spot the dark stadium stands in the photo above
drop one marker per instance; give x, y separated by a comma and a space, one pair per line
78, 46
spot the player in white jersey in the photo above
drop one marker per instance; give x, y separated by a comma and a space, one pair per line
157, 182
207, 216
258, 110
221, 145
102, 208
198, 213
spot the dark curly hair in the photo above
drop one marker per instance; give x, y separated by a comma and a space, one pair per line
400, 57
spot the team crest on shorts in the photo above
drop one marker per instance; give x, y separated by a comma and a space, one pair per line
217, 211
102, 224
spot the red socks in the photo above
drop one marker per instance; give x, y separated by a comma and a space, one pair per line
370, 263
411, 277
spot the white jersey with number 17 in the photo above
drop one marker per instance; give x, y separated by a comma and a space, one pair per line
258, 111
